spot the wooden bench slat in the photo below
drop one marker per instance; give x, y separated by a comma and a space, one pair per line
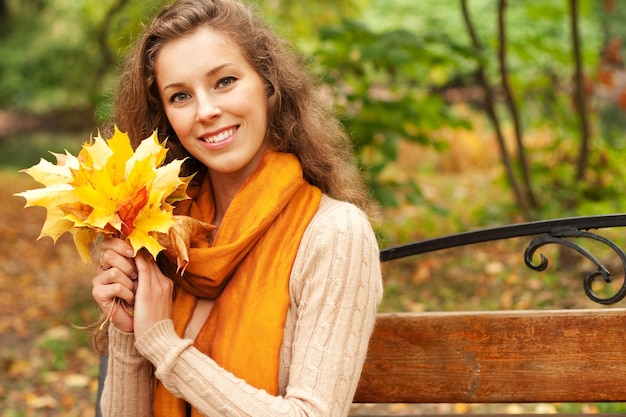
496, 357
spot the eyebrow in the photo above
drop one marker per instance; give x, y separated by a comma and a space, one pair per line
209, 73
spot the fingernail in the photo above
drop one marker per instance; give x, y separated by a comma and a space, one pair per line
129, 252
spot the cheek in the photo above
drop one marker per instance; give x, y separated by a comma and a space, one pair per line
261, 115
179, 122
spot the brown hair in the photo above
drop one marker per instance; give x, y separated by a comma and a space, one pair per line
299, 120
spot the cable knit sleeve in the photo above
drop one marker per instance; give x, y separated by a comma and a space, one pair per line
128, 386
335, 289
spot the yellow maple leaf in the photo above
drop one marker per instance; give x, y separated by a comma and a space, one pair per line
95, 153
48, 174
150, 222
52, 198
122, 152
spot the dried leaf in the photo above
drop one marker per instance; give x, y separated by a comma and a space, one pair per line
178, 240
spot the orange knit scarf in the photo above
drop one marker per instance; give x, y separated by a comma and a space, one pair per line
246, 270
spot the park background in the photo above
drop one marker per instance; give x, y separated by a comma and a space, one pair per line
464, 115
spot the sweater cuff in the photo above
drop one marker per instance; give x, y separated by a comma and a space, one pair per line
121, 342
160, 344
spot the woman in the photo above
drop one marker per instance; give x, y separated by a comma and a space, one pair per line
274, 311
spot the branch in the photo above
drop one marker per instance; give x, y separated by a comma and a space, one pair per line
510, 100
491, 112
579, 94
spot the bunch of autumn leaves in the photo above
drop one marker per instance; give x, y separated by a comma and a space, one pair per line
111, 190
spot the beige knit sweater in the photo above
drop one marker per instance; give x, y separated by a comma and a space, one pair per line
335, 289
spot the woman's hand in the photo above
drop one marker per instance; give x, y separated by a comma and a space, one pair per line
153, 298
116, 278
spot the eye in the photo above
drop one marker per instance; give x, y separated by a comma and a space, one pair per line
179, 97
226, 81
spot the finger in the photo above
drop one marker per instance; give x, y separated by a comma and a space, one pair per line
111, 284
105, 295
111, 260
153, 301
153, 281
118, 245
115, 255
146, 265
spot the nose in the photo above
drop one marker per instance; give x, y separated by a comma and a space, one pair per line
207, 109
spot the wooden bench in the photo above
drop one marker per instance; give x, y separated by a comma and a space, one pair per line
556, 356
497, 357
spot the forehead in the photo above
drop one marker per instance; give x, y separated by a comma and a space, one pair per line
201, 47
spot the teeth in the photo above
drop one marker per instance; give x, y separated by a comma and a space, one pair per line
220, 137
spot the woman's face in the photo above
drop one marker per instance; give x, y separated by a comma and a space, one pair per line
214, 100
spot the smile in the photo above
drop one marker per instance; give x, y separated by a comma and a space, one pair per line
221, 136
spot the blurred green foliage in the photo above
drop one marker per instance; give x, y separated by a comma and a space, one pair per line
385, 94
61, 54
390, 67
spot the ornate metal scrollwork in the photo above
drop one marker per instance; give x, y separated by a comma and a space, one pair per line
549, 231
559, 236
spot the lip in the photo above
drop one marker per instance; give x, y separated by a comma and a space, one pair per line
230, 131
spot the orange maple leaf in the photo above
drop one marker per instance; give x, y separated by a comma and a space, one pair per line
128, 211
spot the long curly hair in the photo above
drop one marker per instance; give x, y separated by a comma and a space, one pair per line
300, 121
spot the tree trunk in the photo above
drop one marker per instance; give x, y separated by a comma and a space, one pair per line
510, 100
579, 95
493, 117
